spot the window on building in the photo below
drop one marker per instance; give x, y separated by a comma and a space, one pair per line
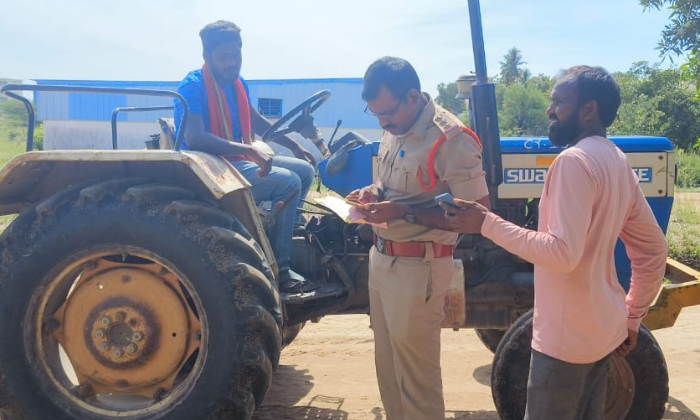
268, 107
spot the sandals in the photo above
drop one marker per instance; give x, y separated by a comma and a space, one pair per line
293, 283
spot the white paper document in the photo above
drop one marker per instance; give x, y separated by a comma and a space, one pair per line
345, 211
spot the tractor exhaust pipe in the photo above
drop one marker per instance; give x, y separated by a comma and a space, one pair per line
482, 108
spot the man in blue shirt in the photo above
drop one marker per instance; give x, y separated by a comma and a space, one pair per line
222, 121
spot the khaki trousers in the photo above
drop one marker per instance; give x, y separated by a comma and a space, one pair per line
407, 300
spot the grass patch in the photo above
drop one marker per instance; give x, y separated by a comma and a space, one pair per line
688, 169
10, 149
13, 121
684, 229
317, 190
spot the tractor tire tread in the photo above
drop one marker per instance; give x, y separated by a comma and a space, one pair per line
254, 311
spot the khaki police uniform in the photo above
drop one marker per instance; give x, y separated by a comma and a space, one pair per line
407, 294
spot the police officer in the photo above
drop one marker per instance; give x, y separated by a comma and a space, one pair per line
411, 263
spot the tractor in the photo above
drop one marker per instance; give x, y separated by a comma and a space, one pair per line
140, 284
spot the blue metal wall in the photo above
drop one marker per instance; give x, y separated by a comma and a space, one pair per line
345, 102
97, 107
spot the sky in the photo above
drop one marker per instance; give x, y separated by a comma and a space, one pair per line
158, 39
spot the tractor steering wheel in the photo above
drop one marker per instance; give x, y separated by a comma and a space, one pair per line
306, 108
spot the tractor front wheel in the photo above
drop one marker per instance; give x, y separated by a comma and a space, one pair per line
131, 300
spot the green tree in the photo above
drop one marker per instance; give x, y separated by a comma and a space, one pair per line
13, 110
523, 112
13, 123
446, 98
542, 83
38, 141
682, 33
681, 36
638, 115
510, 67
658, 102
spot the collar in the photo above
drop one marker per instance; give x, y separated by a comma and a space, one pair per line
424, 120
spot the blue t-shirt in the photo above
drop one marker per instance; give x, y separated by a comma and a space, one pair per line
193, 90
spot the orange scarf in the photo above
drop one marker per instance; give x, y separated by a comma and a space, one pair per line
219, 112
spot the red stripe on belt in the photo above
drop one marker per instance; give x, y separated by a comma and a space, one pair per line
411, 249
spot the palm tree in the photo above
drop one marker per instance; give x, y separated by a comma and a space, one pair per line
524, 76
510, 66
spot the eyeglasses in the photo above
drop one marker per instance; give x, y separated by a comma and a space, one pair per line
389, 114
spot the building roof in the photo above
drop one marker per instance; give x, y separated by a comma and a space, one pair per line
345, 102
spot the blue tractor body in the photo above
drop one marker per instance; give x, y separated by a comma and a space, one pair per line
525, 164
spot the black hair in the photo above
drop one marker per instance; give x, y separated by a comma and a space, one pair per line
595, 84
219, 33
396, 74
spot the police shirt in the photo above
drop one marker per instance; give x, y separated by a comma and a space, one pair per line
457, 164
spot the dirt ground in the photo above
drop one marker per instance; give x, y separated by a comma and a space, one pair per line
328, 373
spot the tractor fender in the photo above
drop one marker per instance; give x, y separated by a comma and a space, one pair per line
33, 176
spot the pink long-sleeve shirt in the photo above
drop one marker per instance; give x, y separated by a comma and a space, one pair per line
591, 197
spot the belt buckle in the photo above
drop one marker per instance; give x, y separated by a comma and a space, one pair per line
380, 243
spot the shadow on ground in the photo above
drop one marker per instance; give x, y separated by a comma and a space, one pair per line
473, 415
313, 411
482, 375
289, 386
676, 410
320, 407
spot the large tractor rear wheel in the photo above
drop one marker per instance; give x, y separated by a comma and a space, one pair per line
637, 386
490, 338
290, 332
125, 299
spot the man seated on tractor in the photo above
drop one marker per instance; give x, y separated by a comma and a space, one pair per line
222, 121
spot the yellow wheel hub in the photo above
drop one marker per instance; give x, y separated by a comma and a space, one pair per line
127, 328
620, 389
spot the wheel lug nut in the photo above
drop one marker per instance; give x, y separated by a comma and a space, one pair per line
105, 346
132, 348
118, 353
105, 320
100, 333
138, 336
120, 316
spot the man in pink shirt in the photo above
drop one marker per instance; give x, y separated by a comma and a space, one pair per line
591, 197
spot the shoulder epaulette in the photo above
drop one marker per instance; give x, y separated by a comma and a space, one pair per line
447, 125
453, 131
